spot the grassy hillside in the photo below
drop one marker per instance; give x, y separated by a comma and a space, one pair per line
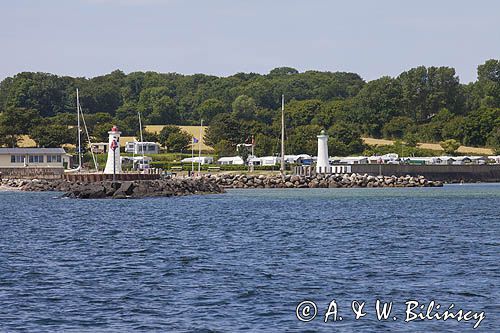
432, 146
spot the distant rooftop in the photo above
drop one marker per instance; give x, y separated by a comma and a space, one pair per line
4, 151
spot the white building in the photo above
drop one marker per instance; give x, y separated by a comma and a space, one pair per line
236, 160
322, 164
299, 159
354, 160
137, 147
138, 162
416, 160
34, 157
113, 163
442, 160
334, 159
264, 161
199, 159
494, 159
479, 159
384, 159
99, 147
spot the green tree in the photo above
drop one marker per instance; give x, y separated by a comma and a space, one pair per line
44, 92
178, 142
99, 94
454, 129
427, 90
148, 136
494, 140
244, 152
280, 71
377, 103
450, 146
488, 83
478, 125
411, 139
345, 139
174, 138
100, 132
397, 127
157, 106
300, 113
224, 148
266, 145
128, 109
429, 132
303, 140
224, 127
166, 132
432, 97
335, 111
97, 118
164, 111
15, 122
210, 108
47, 135
244, 107
433, 130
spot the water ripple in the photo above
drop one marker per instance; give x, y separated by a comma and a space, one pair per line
243, 260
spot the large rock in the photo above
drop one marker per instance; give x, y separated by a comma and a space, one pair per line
143, 188
213, 184
125, 190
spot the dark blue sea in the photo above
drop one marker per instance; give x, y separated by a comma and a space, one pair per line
244, 260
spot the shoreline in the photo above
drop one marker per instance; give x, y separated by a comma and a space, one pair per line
116, 190
208, 184
4, 188
354, 180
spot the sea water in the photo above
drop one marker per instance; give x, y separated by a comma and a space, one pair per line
245, 260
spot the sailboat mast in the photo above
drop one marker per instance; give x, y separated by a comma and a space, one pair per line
142, 141
282, 169
79, 132
199, 148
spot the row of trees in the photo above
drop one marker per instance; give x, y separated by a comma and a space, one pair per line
421, 104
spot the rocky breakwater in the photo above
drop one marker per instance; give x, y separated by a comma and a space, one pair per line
120, 190
321, 181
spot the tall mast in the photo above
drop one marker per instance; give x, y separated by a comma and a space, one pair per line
88, 138
79, 132
199, 148
282, 169
142, 141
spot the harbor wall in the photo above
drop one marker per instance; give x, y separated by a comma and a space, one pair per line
448, 173
99, 177
31, 172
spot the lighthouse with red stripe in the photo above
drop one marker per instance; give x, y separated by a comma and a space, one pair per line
113, 163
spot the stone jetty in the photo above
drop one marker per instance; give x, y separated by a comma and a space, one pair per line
209, 184
119, 190
321, 181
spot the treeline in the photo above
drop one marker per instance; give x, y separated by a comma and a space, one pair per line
421, 104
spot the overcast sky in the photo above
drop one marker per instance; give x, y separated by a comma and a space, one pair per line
223, 37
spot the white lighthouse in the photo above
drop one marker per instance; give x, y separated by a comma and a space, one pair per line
322, 165
113, 164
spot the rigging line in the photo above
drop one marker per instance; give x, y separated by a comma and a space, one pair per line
88, 138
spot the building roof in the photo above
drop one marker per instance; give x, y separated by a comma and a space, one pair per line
231, 158
32, 151
354, 158
145, 143
196, 159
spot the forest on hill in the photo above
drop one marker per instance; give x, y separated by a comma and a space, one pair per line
424, 104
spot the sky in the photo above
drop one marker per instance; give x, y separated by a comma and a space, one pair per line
223, 37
